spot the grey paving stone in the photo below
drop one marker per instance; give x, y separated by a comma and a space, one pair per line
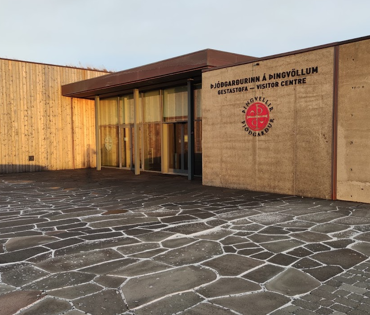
110, 281
140, 268
58, 280
329, 228
306, 263
22, 275
254, 304
75, 291
170, 305
283, 259
263, 273
12, 302
292, 282
47, 306
142, 290
174, 243
149, 253
102, 303
190, 254
309, 236
76, 261
207, 309
232, 264
4, 288
227, 286
17, 243
362, 247
137, 248
281, 246
107, 267
346, 258
21, 255
325, 272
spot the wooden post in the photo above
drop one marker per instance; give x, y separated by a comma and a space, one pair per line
97, 134
136, 131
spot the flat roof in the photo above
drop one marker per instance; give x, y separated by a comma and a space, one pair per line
173, 71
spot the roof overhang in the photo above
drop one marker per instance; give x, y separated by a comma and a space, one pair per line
166, 73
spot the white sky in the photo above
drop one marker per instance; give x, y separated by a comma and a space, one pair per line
121, 34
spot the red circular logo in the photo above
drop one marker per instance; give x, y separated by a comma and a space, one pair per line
257, 116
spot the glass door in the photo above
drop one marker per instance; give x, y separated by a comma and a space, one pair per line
178, 147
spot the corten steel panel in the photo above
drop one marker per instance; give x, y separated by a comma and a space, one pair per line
354, 122
295, 155
162, 72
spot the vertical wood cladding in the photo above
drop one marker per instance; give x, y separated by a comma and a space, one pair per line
39, 128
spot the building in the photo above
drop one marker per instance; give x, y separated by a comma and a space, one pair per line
294, 123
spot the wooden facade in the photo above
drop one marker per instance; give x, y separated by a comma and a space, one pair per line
39, 128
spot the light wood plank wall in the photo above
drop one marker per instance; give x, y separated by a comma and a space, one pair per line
36, 120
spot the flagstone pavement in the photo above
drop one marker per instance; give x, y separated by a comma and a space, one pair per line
109, 242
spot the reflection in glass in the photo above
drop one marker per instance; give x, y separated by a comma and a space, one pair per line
175, 104
152, 147
109, 145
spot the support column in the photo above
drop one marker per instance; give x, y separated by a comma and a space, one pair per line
97, 134
190, 130
136, 131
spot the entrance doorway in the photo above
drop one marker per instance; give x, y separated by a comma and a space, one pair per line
178, 147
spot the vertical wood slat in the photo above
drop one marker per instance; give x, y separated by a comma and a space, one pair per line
36, 120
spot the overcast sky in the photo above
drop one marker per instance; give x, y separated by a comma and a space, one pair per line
122, 34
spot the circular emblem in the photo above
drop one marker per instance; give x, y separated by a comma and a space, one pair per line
108, 143
257, 116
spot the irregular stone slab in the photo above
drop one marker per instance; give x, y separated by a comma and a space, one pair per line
231, 240
362, 247
353, 220
58, 280
188, 229
109, 266
281, 246
329, 228
121, 222
214, 234
260, 238
270, 218
76, 291
300, 252
22, 275
346, 258
12, 302
311, 236
22, 254
110, 281
363, 237
47, 306
283, 259
292, 282
207, 309
142, 290
99, 236
177, 219
94, 245
232, 264
322, 217
325, 272
102, 303
317, 247
140, 268
21, 221
171, 305
264, 273
274, 230
177, 242
191, 254
339, 243
305, 263
226, 286
76, 261
155, 236
17, 243
4, 288
253, 304
137, 248
149, 253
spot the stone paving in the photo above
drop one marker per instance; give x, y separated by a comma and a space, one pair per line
109, 242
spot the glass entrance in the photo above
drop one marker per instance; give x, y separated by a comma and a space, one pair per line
178, 147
